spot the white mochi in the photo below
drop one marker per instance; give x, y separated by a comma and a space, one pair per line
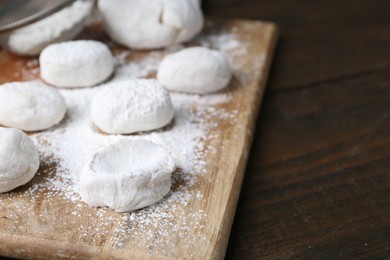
61, 26
151, 24
30, 106
126, 176
130, 106
73, 64
195, 70
19, 159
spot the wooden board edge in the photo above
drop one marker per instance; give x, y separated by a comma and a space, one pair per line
44, 249
220, 250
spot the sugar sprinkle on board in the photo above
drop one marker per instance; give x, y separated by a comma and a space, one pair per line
194, 137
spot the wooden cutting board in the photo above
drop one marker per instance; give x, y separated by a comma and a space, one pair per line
40, 225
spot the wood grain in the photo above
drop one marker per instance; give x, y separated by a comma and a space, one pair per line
317, 184
48, 229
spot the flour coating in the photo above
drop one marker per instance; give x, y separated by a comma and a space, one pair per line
151, 24
30, 106
73, 64
130, 106
61, 26
195, 70
128, 175
19, 159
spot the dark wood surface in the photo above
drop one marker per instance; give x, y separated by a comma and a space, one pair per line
317, 184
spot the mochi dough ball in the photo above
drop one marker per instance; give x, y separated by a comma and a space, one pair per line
195, 70
151, 24
73, 64
128, 175
30, 106
130, 106
63, 25
19, 159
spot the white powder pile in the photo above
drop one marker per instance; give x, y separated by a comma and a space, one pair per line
140, 68
72, 143
225, 42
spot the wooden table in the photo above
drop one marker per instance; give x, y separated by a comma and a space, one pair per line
317, 184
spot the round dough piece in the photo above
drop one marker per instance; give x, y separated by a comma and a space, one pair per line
195, 70
75, 64
19, 159
126, 176
61, 26
131, 106
151, 24
30, 106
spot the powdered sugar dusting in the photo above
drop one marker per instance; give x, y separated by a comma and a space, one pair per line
68, 146
226, 42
